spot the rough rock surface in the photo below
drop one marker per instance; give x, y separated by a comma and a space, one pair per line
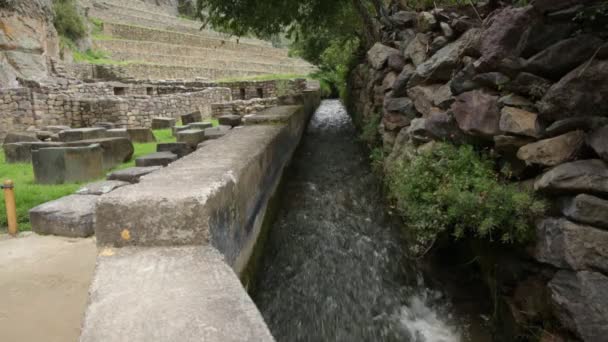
70, 216
553, 151
477, 113
598, 140
379, 53
156, 159
101, 188
519, 122
132, 175
586, 209
590, 176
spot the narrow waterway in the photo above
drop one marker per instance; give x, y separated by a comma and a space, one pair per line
333, 268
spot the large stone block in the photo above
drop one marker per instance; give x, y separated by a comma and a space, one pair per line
477, 113
553, 151
200, 125
162, 123
179, 149
58, 165
598, 141
586, 209
82, 134
56, 128
115, 150
192, 137
519, 122
15, 137
101, 187
141, 135
230, 120
589, 176
133, 174
118, 133
22, 152
156, 159
191, 118
71, 216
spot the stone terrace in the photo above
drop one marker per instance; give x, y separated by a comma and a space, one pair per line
158, 45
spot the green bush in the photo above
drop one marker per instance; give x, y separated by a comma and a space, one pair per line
369, 130
454, 190
68, 21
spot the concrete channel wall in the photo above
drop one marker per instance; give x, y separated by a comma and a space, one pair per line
172, 248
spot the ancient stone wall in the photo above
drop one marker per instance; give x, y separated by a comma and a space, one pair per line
530, 84
242, 107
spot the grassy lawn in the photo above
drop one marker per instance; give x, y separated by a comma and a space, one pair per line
29, 194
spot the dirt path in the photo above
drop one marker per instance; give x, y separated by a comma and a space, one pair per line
44, 284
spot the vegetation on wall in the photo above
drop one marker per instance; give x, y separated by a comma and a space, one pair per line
68, 21
455, 190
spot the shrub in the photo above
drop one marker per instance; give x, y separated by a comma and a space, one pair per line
369, 130
454, 190
68, 21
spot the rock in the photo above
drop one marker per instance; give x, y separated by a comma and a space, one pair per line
442, 64
156, 159
553, 151
427, 97
118, 133
216, 132
60, 165
201, 125
230, 120
17, 137
179, 149
71, 216
426, 22
598, 140
586, 209
517, 101
82, 134
508, 144
462, 24
463, 80
446, 29
494, 80
438, 126
101, 188
581, 303
56, 128
133, 174
398, 112
191, 137
22, 152
529, 84
568, 245
191, 118
379, 54
389, 81
585, 123
404, 19
553, 63
395, 62
590, 176
399, 86
115, 150
417, 49
141, 135
477, 113
502, 36
541, 35
44, 135
105, 125
519, 122
438, 43
176, 129
163, 123
546, 6
582, 92
417, 131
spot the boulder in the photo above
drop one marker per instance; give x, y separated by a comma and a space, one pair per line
118, 133
553, 151
509, 144
568, 245
477, 113
399, 86
163, 123
192, 117
82, 134
446, 29
378, 55
426, 22
71, 216
417, 131
59, 165
133, 174
513, 100
231, 120
179, 149
494, 80
141, 135
191, 137
463, 80
438, 126
580, 303
101, 187
590, 176
598, 140
416, 51
115, 150
427, 97
156, 159
389, 81
442, 64
553, 63
519, 122
542, 34
17, 137
586, 209
529, 84
404, 19
395, 62
582, 92
584, 123
438, 43
22, 152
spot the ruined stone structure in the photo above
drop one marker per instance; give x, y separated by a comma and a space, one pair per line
530, 83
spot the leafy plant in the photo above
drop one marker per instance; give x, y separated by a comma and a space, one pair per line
68, 21
369, 130
454, 190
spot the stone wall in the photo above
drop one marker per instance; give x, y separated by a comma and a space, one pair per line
531, 85
242, 107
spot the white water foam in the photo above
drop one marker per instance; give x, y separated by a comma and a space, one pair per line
424, 322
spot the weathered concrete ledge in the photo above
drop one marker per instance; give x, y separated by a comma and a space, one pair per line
169, 241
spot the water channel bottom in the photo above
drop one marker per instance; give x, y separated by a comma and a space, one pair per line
333, 267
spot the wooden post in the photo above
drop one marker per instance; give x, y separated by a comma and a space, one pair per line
11, 208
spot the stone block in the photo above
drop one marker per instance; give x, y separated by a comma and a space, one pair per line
22, 152
192, 137
133, 174
17, 137
231, 120
179, 149
101, 188
553, 151
82, 134
216, 132
191, 118
590, 176
176, 129
156, 159
141, 135
106, 125
70, 216
118, 133
58, 165
115, 150
586, 209
162, 123
44, 135
56, 128
200, 125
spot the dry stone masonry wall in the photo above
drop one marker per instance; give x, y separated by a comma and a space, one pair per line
530, 83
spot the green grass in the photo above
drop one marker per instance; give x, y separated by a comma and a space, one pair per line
28, 194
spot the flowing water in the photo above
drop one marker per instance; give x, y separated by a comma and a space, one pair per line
333, 268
